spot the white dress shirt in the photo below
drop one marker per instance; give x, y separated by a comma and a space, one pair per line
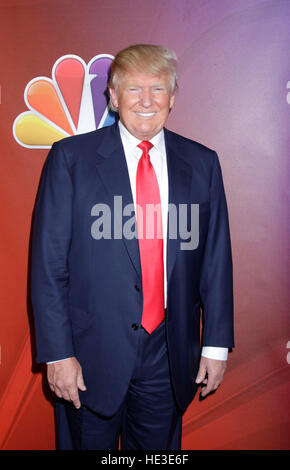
159, 162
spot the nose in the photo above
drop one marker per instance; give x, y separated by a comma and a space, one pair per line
146, 97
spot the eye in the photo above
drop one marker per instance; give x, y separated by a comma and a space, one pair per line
133, 89
159, 89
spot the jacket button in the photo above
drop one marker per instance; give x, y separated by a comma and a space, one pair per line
135, 326
137, 288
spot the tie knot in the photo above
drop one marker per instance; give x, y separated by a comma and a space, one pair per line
145, 146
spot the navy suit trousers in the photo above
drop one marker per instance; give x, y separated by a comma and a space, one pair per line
148, 417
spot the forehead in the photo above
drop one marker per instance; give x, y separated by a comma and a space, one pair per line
144, 79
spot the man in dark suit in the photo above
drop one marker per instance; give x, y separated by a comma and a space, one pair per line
118, 290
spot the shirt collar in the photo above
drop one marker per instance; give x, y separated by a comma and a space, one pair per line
157, 140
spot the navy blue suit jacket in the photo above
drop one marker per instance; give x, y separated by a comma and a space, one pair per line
87, 293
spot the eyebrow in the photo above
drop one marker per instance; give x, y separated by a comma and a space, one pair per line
134, 85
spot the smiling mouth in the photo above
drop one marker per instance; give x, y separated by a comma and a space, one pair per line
145, 115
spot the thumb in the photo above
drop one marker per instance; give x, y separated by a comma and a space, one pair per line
201, 374
80, 382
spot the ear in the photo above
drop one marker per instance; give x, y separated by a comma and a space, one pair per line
172, 99
114, 97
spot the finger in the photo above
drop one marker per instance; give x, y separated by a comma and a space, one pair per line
58, 392
200, 375
74, 398
205, 391
80, 382
66, 395
211, 387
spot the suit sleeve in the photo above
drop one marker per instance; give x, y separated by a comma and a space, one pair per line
51, 235
216, 282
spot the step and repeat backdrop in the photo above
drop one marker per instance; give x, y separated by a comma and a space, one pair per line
234, 96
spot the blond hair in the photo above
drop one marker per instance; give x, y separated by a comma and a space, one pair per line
144, 58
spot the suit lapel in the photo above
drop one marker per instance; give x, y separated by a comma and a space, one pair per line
113, 171
179, 184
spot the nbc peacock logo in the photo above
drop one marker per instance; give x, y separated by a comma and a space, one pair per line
72, 102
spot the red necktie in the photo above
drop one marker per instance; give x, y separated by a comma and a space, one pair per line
150, 240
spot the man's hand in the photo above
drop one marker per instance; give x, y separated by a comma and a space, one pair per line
211, 372
65, 378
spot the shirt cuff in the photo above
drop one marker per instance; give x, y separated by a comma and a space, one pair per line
52, 362
221, 354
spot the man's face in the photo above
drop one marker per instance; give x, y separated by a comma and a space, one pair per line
143, 101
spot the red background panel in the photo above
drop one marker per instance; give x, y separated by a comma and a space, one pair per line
234, 97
